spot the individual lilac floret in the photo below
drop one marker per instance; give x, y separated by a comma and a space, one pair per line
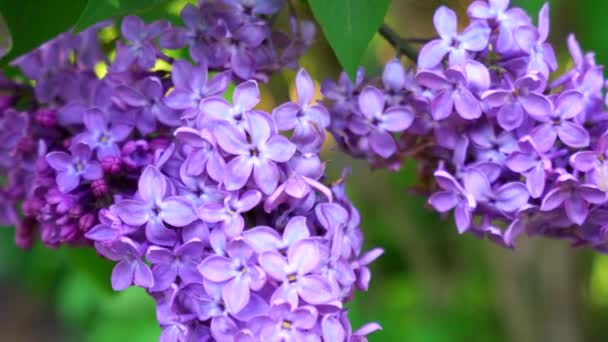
575, 197
101, 135
182, 262
239, 270
296, 272
141, 49
155, 207
560, 123
148, 104
531, 163
474, 38
453, 196
520, 99
246, 96
533, 41
130, 269
257, 151
288, 324
266, 239
498, 13
454, 91
204, 156
229, 214
191, 86
71, 168
308, 121
378, 123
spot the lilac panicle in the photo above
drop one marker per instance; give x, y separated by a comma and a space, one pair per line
512, 146
218, 209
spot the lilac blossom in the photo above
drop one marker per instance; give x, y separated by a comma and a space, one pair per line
130, 268
72, 168
474, 38
239, 270
182, 262
102, 136
155, 207
256, 151
296, 272
574, 196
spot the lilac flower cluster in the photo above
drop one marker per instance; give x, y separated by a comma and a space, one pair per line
219, 210
512, 146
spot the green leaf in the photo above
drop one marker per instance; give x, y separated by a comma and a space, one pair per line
349, 25
33, 22
99, 10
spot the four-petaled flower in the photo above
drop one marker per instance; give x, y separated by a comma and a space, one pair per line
72, 168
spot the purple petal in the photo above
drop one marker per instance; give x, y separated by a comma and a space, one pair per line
511, 197
382, 143
576, 209
152, 185
177, 212
445, 22
236, 294
443, 105
553, 199
259, 128
246, 95
216, 268
544, 136
314, 289
274, 265
584, 161
466, 104
159, 255
132, 212
510, 116
231, 139
122, 275
304, 256
305, 87
536, 105
262, 239
535, 181
285, 116
143, 275
279, 149
266, 175
158, 234
59, 161
371, 102
573, 134
237, 172
592, 194
295, 230
444, 201
397, 119
67, 181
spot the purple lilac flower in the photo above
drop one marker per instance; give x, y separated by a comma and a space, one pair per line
239, 270
140, 50
256, 151
130, 269
296, 272
100, 136
575, 197
155, 207
72, 168
308, 121
182, 262
474, 38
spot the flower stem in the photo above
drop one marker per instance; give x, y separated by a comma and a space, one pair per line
400, 44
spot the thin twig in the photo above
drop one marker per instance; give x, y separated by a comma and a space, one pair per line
401, 45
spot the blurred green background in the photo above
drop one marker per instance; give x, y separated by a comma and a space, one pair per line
431, 285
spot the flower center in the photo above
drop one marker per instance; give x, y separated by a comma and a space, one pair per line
286, 324
291, 278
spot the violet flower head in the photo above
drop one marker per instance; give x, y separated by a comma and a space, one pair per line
140, 49
101, 135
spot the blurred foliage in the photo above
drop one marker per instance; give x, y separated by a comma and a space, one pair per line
430, 285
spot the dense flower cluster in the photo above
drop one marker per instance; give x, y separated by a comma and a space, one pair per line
220, 211
512, 146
